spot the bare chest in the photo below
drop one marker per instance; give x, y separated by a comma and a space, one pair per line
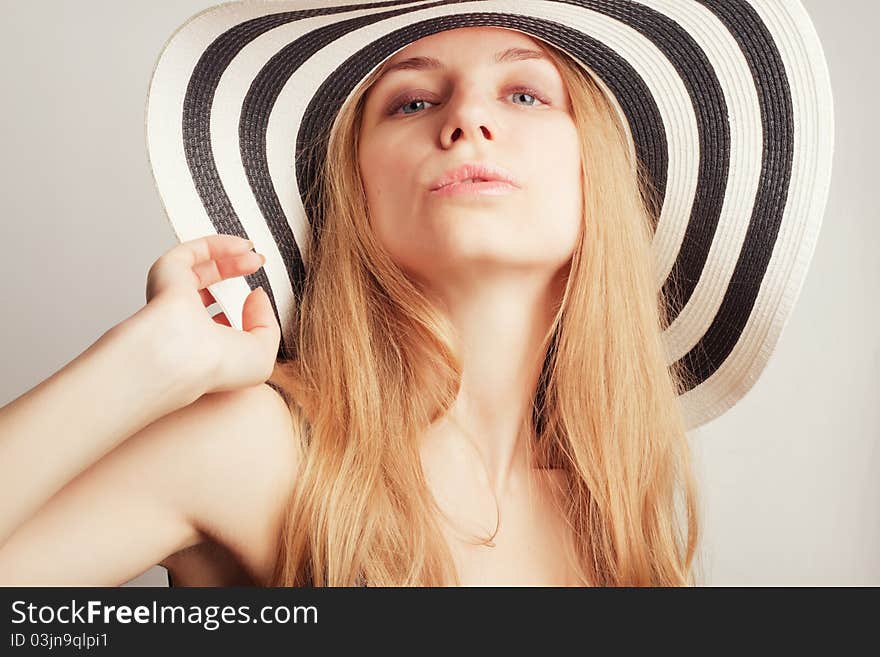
531, 547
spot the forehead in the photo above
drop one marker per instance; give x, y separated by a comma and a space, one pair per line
485, 43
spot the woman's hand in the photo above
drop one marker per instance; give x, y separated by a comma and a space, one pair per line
208, 350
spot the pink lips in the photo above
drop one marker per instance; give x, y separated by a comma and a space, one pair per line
489, 187
486, 179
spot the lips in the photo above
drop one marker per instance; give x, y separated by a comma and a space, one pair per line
475, 173
474, 189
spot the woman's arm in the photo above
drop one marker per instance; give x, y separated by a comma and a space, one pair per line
219, 468
57, 429
164, 358
160, 359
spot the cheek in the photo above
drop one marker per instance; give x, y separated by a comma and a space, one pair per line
385, 174
556, 172
384, 151
556, 152
372, 164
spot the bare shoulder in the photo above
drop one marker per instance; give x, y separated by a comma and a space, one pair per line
243, 453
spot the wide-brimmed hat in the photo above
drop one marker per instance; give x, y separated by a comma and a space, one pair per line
728, 104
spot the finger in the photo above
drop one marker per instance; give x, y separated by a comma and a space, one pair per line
257, 344
258, 319
208, 273
211, 247
175, 267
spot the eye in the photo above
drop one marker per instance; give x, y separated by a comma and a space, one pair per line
415, 99
409, 102
529, 93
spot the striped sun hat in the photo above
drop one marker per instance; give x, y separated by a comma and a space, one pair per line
728, 103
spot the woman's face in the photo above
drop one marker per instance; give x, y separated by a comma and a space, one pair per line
419, 122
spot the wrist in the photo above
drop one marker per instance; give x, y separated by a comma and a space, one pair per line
168, 379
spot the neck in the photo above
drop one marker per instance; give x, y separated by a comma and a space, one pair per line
502, 324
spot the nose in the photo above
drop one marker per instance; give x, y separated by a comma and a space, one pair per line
467, 117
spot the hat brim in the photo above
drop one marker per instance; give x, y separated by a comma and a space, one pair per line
728, 104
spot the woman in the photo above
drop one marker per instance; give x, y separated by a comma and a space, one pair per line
478, 391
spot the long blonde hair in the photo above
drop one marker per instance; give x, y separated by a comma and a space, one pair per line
376, 362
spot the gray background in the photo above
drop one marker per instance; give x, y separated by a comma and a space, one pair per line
789, 488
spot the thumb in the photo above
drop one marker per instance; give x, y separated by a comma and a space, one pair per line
258, 319
248, 356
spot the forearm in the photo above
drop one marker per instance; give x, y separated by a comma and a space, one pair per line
60, 427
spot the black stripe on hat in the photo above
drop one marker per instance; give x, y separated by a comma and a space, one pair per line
777, 120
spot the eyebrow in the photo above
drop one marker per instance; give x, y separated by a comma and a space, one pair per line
429, 63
